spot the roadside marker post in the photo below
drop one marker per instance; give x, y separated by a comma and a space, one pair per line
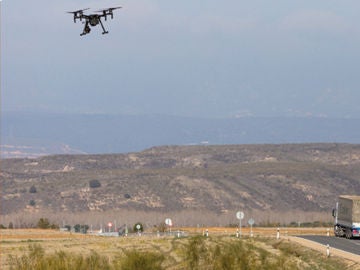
327, 250
251, 223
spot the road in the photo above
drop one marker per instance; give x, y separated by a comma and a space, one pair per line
351, 246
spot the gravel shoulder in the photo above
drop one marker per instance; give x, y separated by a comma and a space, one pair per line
352, 259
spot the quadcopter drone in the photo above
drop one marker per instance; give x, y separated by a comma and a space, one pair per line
93, 19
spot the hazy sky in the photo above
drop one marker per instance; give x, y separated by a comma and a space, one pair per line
207, 58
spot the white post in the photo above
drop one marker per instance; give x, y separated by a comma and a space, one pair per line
240, 228
327, 250
278, 233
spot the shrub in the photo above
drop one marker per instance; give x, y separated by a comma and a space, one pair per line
161, 227
32, 189
195, 252
94, 183
43, 223
135, 260
81, 228
37, 260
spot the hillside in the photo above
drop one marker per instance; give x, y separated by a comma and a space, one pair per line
219, 180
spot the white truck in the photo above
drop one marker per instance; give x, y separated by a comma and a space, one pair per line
347, 216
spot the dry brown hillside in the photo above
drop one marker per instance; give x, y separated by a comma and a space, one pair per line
192, 180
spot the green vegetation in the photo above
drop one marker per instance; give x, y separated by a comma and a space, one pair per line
141, 260
197, 253
44, 223
37, 260
81, 228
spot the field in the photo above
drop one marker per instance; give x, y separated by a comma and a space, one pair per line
220, 250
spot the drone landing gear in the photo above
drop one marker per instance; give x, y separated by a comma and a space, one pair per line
103, 28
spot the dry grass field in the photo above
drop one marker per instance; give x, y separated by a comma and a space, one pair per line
263, 246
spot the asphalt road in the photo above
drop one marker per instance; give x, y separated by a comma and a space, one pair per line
348, 245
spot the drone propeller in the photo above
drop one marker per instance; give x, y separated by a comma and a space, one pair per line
78, 13
108, 11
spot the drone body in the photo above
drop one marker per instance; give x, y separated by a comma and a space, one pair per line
93, 19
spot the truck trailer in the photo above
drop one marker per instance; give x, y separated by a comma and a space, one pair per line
347, 216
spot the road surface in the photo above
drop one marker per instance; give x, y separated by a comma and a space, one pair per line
351, 246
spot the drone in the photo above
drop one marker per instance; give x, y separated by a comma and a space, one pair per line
93, 19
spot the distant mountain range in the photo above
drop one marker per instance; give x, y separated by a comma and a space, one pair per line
25, 134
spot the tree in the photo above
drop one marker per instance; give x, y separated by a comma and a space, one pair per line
43, 223
81, 228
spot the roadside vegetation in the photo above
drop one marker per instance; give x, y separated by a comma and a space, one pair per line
196, 252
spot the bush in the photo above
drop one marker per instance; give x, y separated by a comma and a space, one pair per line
196, 252
43, 223
161, 227
135, 260
32, 189
94, 183
81, 228
37, 260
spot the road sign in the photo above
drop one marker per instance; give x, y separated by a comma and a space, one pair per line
168, 222
251, 221
240, 215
